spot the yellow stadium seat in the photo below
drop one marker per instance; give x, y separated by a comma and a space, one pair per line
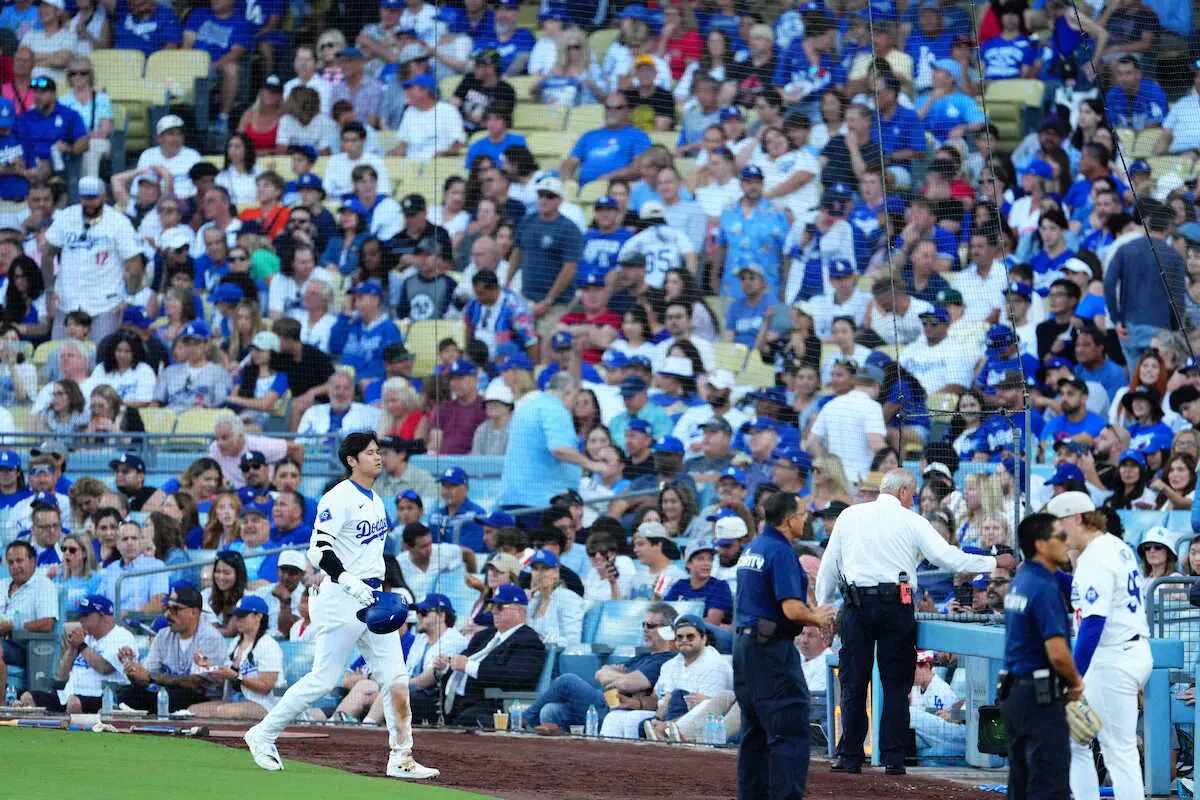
448, 84
422, 339
591, 192
730, 356
157, 420
201, 421
1126, 137
442, 168
943, 402
551, 145
585, 118
534, 117
756, 373
1143, 146
667, 139
177, 70
110, 66
20, 415
41, 355
600, 40
400, 168
1168, 165
521, 84
1006, 102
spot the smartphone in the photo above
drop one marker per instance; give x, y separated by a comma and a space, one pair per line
964, 594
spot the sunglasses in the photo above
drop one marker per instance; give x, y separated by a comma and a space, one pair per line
71, 550
238, 258
1154, 547
651, 626
615, 108
173, 608
1059, 537
686, 637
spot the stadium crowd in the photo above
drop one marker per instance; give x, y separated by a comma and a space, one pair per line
785, 255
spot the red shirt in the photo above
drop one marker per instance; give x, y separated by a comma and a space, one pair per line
608, 318
682, 51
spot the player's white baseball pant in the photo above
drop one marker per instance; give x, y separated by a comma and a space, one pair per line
338, 632
1114, 678
624, 723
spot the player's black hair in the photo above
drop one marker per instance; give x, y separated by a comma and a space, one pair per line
546, 534
1033, 529
18, 544
412, 532
353, 445
779, 507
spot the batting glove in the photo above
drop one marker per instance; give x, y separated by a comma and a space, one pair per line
364, 595
1082, 721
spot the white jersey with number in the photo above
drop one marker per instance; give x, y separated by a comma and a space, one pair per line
92, 258
664, 249
354, 523
1108, 583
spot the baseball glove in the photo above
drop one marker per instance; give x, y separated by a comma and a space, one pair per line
1083, 721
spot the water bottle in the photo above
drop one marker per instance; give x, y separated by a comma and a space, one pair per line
591, 724
106, 700
706, 733
164, 703
722, 732
10, 695
514, 715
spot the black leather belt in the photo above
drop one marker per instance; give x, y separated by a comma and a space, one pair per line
882, 588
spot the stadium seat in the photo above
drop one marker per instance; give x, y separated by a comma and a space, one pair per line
621, 621
20, 415
730, 355
422, 339
1008, 103
600, 41
535, 117
589, 193
178, 71
584, 118
198, 421
113, 66
756, 373
548, 145
1143, 146
580, 661
297, 660
442, 168
521, 85
447, 85
42, 353
1170, 165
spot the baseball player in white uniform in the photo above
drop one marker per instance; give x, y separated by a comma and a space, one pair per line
347, 544
1112, 646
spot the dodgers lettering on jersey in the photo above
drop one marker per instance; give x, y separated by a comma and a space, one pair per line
1108, 583
354, 520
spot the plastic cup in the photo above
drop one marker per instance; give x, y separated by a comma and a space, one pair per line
500, 721
577, 730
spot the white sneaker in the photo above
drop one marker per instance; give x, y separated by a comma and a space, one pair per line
408, 769
649, 732
673, 734
264, 751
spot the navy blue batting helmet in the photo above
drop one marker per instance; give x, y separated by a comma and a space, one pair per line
386, 614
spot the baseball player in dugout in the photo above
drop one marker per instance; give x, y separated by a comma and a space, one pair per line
1112, 646
347, 545
1039, 673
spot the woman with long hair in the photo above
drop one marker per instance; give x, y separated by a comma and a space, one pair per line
375, 262
401, 410
788, 173
25, 301
680, 284
585, 413
501, 569
67, 414
1156, 554
342, 252
452, 213
123, 365
329, 44
677, 509
201, 481
575, 79
240, 174
1177, 487
228, 587
167, 538
828, 482
259, 386
78, 574
92, 30
260, 122
303, 124
637, 336
1092, 117
105, 524
843, 331
1132, 490
223, 529
678, 42
84, 498
18, 377
255, 664
555, 612
178, 308
983, 497
966, 422
1190, 564
713, 62
803, 384
247, 324
94, 108
1150, 370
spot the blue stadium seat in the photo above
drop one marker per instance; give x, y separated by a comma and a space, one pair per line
462, 597
591, 622
297, 660
621, 620
579, 661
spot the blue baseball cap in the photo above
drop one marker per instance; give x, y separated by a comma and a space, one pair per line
368, 287
562, 340
732, 112
641, 361
392, 5
545, 557
461, 367
750, 172
456, 476
9, 460
510, 594
794, 457
1064, 473
250, 604
606, 202
689, 621
733, 474
878, 358
8, 114
497, 519
938, 313
309, 152
633, 12
196, 329
509, 3
950, 66
434, 602
227, 293
841, 268
1040, 168
350, 52
424, 80
591, 278
310, 181
131, 460
640, 426
1134, 456
254, 508
1057, 362
94, 604
517, 361
1139, 165
634, 384
668, 444
760, 424
999, 339
721, 513
1019, 288
553, 13
136, 317
772, 394
615, 359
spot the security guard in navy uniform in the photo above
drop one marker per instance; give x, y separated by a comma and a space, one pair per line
768, 673
872, 557
1037, 667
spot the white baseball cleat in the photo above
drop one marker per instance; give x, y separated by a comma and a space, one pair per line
264, 751
408, 769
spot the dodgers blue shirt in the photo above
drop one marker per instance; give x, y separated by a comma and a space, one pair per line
746, 319
903, 130
361, 346
522, 41
1034, 613
1147, 107
443, 525
600, 251
148, 35
37, 132
12, 187
218, 35
604, 150
715, 593
1047, 269
949, 112
1003, 58
1091, 424
493, 150
768, 573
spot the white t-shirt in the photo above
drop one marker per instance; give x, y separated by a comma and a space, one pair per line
446, 557
423, 21
318, 85
317, 335
136, 384
178, 165
91, 262
353, 522
1108, 583
42, 43
316, 133
827, 308
937, 695
427, 133
337, 175
242, 186
84, 680
815, 671
715, 197
664, 249
708, 674
421, 655
859, 357
265, 656
843, 425
938, 365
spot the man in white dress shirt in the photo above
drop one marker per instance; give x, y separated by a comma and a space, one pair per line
873, 555
983, 282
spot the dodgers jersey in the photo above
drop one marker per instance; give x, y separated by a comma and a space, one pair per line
1108, 583
352, 521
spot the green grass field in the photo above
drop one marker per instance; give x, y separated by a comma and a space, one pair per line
57, 764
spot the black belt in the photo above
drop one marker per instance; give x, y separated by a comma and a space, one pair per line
752, 631
882, 588
374, 583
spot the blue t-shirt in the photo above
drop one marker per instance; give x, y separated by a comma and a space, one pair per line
924, 50
794, 64
603, 151
483, 30
522, 41
443, 524
545, 247
746, 319
949, 112
1047, 269
600, 251
257, 12
1141, 435
864, 219
1109, 374
1000, 433
12, 187
539, 426
38, 132
361, 346
1003, 58
148, 35
904, 130
493, 150
768, 573
1034, 612
13, 19
216, 35
1147, 107
994, 368
1091, 424
715, 593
